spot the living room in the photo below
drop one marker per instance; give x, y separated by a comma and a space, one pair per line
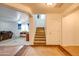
14, 26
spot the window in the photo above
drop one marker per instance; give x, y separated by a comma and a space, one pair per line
25, 27
23, 22
19, 26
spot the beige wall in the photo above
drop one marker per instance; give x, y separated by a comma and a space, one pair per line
70, 29
53, 29
59, 30
32, 30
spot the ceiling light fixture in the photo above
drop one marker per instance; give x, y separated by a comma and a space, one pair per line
49, 3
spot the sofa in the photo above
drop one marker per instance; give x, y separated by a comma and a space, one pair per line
4, 35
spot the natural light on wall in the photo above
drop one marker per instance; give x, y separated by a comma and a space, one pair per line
23, 22
24, 27
40, 20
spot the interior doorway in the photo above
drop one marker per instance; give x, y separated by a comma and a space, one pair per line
23, 26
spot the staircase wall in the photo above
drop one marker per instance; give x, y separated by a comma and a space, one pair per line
53, 29
32, 30
41, 21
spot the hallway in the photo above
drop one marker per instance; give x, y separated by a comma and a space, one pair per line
47, 50
43, 51
51, 30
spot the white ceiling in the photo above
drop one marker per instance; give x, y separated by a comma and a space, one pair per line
10, 15
44, 8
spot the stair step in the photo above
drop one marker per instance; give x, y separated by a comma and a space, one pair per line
40, 37
39, 42
39, 34
40, 30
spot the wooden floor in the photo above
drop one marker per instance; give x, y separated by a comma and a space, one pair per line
9, 50
43, 51
39, 51
73, 50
